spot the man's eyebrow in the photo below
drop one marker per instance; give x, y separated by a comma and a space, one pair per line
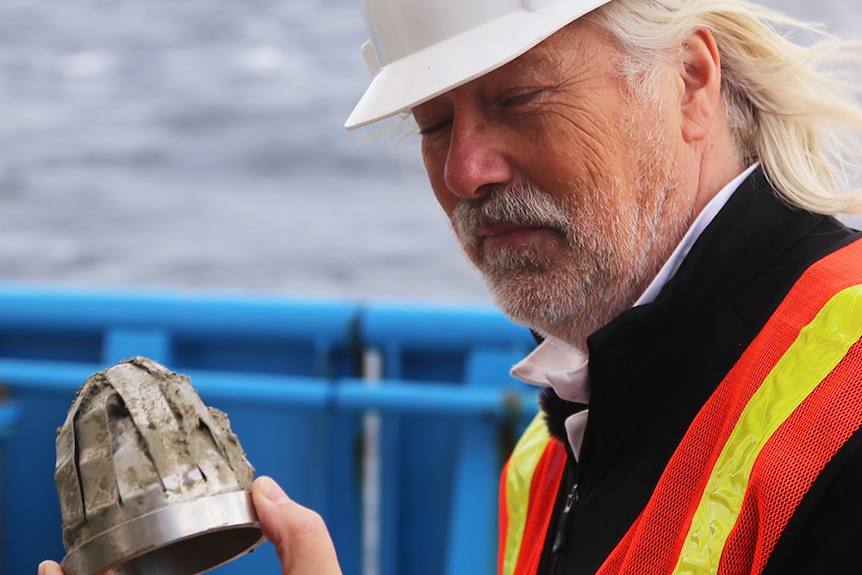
536, 64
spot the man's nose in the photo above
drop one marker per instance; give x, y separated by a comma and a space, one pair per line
475, 162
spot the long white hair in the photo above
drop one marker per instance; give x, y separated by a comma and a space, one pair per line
791, 106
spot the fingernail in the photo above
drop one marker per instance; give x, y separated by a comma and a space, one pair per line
273, 492
42, 568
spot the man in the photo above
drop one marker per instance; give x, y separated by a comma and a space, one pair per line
648, 185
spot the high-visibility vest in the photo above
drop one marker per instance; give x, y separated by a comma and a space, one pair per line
791, 401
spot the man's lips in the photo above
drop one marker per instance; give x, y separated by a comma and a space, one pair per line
508, 234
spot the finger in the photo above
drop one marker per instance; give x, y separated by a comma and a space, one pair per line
50, 568
299, 534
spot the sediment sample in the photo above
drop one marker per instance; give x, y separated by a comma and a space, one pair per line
144, 466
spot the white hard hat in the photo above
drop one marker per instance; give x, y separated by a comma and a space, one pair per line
419, 49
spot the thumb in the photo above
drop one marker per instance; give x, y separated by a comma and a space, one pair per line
49, 568
299, 534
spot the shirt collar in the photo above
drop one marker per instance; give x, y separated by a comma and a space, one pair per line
559, 365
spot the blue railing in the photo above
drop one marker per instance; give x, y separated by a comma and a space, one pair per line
393, 421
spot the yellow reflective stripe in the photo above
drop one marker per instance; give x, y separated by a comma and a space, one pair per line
819, 347
519, 476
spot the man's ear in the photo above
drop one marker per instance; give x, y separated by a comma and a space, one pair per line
700, 72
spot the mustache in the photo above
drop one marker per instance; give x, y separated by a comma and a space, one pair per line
518, 204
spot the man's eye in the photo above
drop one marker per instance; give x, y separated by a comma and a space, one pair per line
519, 98
434, 128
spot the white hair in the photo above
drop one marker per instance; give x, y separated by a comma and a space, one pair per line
790, 106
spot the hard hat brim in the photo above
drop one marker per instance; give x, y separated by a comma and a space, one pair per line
405, 83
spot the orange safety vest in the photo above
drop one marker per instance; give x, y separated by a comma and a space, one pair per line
737, 476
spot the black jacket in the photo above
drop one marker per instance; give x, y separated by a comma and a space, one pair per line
654, 366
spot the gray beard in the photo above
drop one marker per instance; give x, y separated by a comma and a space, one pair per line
588, 277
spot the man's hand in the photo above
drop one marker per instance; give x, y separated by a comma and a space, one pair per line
299, 534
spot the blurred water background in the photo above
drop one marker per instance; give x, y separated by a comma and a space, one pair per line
198, 145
